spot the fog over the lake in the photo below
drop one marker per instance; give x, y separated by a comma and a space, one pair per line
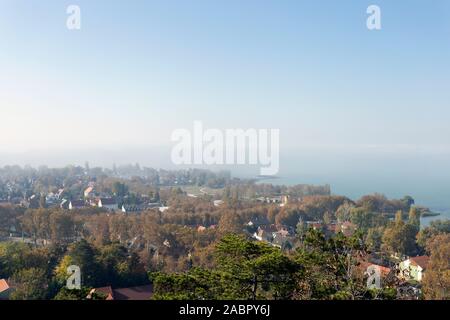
421, 173
362, 110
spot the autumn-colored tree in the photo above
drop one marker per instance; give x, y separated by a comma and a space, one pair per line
316, 206
400, 237
436, 283
435, 228
84, 255
120, 268
36, 223
374, 238
30, 284
330, 267
364, 219
288, 217
272, 214
343, 211
15, 256
414, 217
63, 228
230, 222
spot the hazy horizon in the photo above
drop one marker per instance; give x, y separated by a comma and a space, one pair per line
355, 108
352, 174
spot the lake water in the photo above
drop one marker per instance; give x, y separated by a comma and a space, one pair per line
432, 196
444, 215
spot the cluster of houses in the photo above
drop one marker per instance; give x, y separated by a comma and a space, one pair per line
284, 236
90, 198
108, 202
408, 272
278, 236
280, 200
111, 204
407, 275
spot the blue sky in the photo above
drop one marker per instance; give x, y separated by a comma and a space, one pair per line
138, 70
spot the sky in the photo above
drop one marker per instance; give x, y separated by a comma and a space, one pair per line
138, 70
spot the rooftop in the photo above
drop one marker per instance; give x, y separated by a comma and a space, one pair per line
421, 261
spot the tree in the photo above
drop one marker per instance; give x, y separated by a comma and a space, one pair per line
398, 217
8, 218
119, 268
16, 256
157, 197
84, 255
316, 206
436, 283
11, 258
196, 284
301, 229
330, 267
374, 203
343, 212
62, 228
120, 189
327, 218
37, 223
364, 219
230, 222
272, 214
42, 201
374, 238
414, 217
400, 237
244, 270
61, 270
257, 271
72, 294
408, 201
288, 217
30, 284
435, 228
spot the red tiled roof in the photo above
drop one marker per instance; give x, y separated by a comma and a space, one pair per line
3, 285
421, 261
88, 190
384, 270
134, 293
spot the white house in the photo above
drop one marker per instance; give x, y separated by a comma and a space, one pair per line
414, 268
218, 203
162, 209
